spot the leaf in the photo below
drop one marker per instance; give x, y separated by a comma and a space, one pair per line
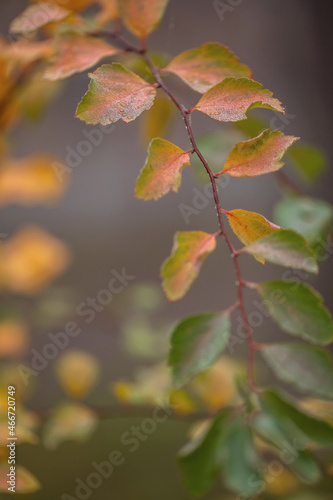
162, 170
26, 482
30, 260
308, 216
285, 248
76, 53
72, 5
250, 226
180, 269
14, 338
198, 459
316, 430
298, 310
109, 11
310, 162
69, 422
29, 181
278, 432
229, 100
307, 368
196, 343
258, 156
78, 373
205, 66
115, 93
36, 16
141, 17
241, 466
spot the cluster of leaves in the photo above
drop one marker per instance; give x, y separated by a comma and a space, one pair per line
241, 438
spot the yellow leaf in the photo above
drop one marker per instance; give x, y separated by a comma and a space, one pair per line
109, 11
31, 260
30, 181
141, 17
250, 226
157, 120
78, 373
181, 402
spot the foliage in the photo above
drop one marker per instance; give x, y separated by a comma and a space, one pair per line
250, 423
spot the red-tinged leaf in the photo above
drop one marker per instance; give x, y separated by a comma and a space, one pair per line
257, 156
115, 93
75, 53
36, 16
249, 227
162, 171
141, 17
205, 66
182, 267
73, 5
229, 100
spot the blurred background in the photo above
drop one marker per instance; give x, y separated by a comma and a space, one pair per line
106, 229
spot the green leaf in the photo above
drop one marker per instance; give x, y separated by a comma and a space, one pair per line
250, 227
141, 17
196, 343
205, 66
258, 156
76, 53
241, 466
285, 248
298, 310
307, 368
308, 216
251, 126
115, 93
188, 253
198, 459
229, 100
310, 163
162, 171
278, 432
316, 430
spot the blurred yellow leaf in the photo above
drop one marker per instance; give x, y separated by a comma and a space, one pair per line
30, 260
320, 408
26, 426
78, 373
71, 422
36, 95
182, 402
216, 387
14, 338
30, 181
157, 121
122, 391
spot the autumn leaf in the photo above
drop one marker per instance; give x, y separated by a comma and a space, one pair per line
162, 171
77, 372
25, 481
250, 226
30, 260
115, 93
182, 267
158, 119
29, 181
76, 53
141, 17
14, 338
206, 66
257, 156
73, 5
229, 100
36, 16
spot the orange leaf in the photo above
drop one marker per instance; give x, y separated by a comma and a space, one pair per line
76, 53
36, 16
109, 11
141, 17
229, 100
29, 181
180, 269
257, 156
162, 171
115, 93
73, 5
14, 338
250, 226
77, 372
204, 67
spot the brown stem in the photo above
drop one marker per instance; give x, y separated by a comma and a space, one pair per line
185, 115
